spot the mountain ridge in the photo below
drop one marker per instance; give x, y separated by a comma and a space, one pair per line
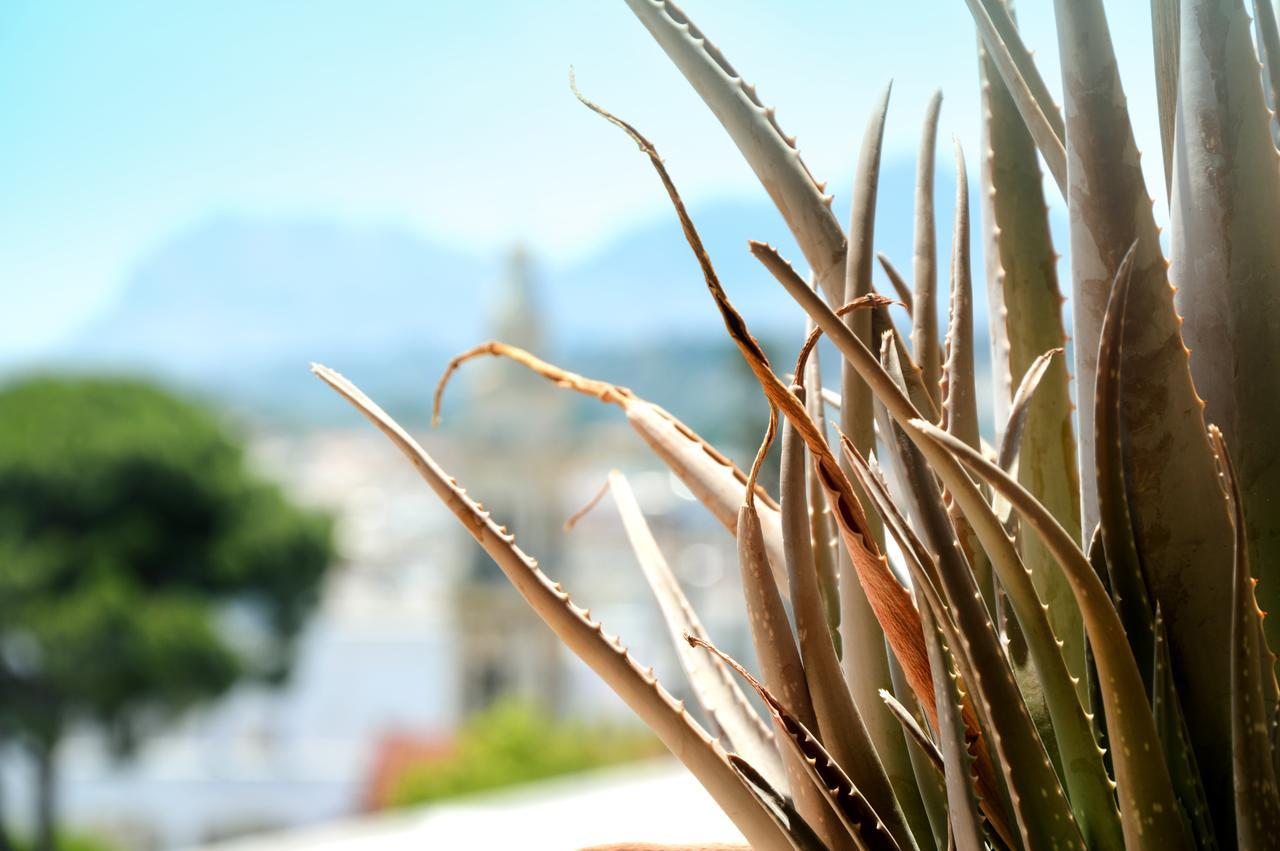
237, 305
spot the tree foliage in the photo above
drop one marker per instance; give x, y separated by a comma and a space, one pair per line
143, 568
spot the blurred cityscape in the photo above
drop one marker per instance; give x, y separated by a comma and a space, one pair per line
416, 629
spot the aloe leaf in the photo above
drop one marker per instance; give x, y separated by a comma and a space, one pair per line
924, 313
923, 569
1025, 316
822, 531
779, 658
606, 656
854, 350
716, 689
907, 374
1148, 810
960, 394
915, 733
890, 602
930, 781
942, 525
909, 785
1038, 113
839, 723
778, 806
925, 783
708, 474
1098, 561
1001, 13
1269, 46
1164, 38
1168, 464
866, 663
772, 154
1124, 567
1021, 756
900, 286
1081, 763
966, 824
1226, 261
959, 383
857, 355
845, 799
891, 440
1257, 793
1107, 201
885, 388
1020, 410
1171, 724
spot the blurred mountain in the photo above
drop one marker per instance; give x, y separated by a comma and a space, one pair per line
237, 307
235, 293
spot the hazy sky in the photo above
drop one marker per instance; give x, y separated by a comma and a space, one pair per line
122, 123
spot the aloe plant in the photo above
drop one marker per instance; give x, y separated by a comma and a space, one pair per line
1068, 652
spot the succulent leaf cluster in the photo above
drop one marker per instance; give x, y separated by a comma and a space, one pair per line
1068, 650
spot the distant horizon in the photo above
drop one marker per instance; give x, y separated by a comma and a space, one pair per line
545, 259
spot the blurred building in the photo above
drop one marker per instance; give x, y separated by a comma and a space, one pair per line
512, 432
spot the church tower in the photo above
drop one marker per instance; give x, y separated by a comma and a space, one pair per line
515, 438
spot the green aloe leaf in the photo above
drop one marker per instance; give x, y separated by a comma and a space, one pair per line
772, 155
960, 391
924, 304
1149, 813
889, 354
959, 381
1001, 13
1081, 762
840, 726
966, 824
891, 603
1025, 747
822, 529
1257, 793
1269, 46
1171, 724
1043, 819
1226, 261
911, 726
1098, 561
1165, 25
1124, 568
1020, 411
1182, 542
866, 663
779, 658
978, 770
1012, 59
932, 786
1026, 320
1011, 633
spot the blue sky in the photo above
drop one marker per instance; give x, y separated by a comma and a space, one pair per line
126, 122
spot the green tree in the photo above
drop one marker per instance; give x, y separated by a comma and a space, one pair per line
143, 568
